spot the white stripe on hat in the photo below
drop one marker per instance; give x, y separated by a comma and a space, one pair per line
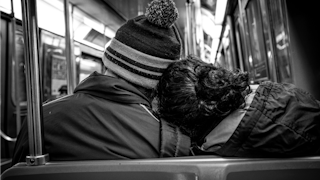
131, 66
130, 76
138, 56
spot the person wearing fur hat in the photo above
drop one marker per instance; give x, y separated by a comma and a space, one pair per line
109, 116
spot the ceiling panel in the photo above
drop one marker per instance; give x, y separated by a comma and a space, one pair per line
128, 8
132, 8
101, 11
114, 13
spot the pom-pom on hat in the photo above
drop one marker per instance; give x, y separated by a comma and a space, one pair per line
144, 46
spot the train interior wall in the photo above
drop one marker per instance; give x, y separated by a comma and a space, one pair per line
303, 19
3, 69
7, 109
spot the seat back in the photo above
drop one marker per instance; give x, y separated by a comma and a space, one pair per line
188, 168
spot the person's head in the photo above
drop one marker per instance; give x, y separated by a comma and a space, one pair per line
144, 46
63, 90
192, 93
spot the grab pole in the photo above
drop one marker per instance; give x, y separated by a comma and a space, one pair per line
71, 63
34, 94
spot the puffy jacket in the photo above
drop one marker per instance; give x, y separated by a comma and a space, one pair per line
106, 118
282, 121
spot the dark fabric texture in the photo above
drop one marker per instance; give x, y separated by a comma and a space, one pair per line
102, 120
282, 121
148, 38
172, 137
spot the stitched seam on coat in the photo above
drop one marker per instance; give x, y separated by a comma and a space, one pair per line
303, 135
176, 132
263, 105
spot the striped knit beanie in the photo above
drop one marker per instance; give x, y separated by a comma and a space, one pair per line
145, 45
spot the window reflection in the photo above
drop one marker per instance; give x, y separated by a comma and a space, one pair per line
258, 55
267, 37
279, 27
20, 74
87, 66
55, 64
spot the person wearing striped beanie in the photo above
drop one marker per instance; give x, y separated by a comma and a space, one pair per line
143, 47
109, 116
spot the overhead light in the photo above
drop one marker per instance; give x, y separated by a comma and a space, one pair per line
220, 11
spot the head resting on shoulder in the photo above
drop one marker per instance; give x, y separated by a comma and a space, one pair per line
192, 92
144, 46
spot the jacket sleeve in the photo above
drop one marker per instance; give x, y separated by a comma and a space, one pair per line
173, 143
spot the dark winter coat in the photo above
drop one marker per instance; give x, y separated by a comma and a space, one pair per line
282, 121
106, 118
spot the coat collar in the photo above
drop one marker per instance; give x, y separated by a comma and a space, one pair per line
111, 88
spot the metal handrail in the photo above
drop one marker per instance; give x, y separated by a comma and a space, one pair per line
71, 65
6, 137
34, 98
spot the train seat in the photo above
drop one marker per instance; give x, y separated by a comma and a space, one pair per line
5, 164
187, 168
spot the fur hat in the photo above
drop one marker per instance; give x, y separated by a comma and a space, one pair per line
144, 46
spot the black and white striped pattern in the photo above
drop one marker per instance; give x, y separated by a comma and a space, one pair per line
135, 66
